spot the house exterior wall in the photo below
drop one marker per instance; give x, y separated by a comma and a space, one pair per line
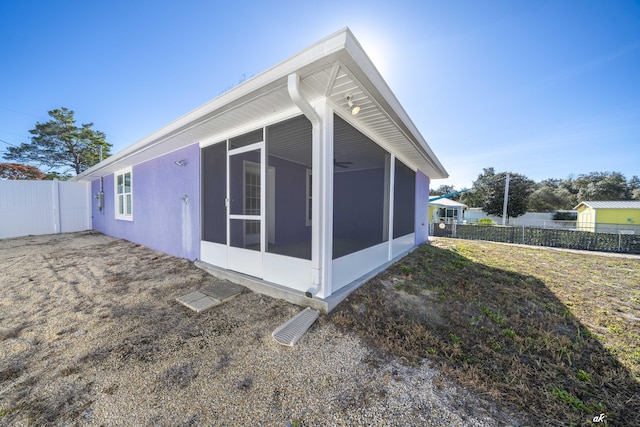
586, 219
161, 219
432, 212
619, 216
422, 208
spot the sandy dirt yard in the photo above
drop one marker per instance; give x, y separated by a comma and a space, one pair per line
91, 334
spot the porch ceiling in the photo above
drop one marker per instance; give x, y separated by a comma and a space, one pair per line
332, 68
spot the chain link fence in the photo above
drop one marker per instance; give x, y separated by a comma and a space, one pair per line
622, 241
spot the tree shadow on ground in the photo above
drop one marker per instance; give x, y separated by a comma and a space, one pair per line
503, 334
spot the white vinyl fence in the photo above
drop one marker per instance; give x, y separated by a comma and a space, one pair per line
529, 219
43, 207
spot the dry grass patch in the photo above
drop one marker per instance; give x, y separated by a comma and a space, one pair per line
552, 334
91, 335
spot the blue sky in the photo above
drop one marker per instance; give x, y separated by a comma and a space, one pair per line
542, 88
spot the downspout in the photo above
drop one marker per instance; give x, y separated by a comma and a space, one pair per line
319, 267
100, 195
293, 84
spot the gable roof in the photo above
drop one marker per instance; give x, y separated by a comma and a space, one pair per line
622, 204
331, 68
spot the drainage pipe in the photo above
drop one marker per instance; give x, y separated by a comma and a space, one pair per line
319, 249
293, 84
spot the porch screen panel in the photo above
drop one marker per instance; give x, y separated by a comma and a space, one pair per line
246, 139
404, 200
360, 191
245, 184
287, 219
214, 192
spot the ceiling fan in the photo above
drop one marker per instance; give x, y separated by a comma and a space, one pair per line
344, 165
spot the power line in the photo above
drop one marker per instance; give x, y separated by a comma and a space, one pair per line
22, 112
8, 143
14, 134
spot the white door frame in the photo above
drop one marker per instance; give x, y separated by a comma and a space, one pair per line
239, 259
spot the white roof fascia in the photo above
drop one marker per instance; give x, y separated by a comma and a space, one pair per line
447, 203
322, 49
611, 204
410, 130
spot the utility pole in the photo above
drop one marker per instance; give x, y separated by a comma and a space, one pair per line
506, 198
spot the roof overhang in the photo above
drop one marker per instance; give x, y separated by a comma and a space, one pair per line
330, 69
447, 203
609, 204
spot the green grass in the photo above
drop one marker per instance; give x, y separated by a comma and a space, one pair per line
549, 334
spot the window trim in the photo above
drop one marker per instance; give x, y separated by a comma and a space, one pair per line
116, 200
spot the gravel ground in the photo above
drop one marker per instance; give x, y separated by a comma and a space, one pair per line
90, 334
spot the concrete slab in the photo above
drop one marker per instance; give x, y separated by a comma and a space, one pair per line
193, 296
198, 302
223, 290
204, 304
210, 296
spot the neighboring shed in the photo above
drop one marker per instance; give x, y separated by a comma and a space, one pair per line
443, 210
280, 179
609, 216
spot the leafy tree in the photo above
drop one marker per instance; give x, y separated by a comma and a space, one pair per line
18, 171
634, 188
549, 194
566, 199
602, 186
547, 199
569, 184
543, 199
56, 175
60, 145
551, 182
520, 188
445, 189
477, 195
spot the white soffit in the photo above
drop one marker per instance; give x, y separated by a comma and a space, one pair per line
332, 67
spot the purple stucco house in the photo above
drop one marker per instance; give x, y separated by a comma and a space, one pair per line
306, 179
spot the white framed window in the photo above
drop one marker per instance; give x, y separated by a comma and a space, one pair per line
309, 193
123, 182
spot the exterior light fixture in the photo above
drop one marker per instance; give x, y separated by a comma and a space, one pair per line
354, 108
182, 162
